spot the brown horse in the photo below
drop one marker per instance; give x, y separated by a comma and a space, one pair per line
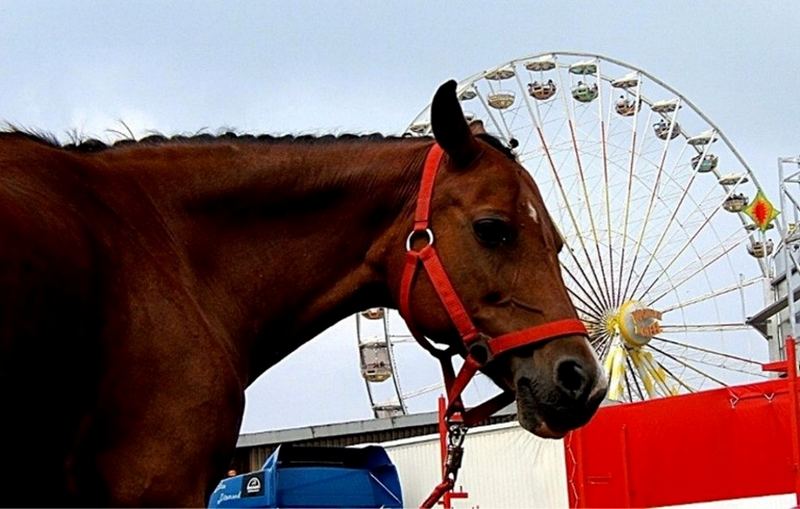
143, 286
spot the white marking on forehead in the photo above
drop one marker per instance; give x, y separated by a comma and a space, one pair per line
532, 212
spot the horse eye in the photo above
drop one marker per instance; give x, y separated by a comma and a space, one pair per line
493, 232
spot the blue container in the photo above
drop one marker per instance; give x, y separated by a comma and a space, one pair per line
315, 477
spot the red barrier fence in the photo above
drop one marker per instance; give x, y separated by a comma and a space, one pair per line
714, 445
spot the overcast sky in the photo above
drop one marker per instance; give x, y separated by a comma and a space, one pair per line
318, 67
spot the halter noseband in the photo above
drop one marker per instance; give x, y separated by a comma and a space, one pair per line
480, 349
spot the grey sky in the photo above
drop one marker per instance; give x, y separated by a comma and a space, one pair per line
316, 67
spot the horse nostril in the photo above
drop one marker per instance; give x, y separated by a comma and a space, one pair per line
572, 379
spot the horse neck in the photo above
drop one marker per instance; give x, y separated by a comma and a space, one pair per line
283, 240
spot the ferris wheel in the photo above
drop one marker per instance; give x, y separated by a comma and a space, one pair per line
667, 233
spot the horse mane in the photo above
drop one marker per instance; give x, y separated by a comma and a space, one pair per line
81, 144
78, 143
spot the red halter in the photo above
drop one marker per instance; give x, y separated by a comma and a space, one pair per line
481, 350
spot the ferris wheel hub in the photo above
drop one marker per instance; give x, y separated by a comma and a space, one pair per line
636, 323
610, 322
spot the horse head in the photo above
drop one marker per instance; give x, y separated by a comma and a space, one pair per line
499, 248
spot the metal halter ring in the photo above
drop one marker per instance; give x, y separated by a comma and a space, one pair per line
426, 231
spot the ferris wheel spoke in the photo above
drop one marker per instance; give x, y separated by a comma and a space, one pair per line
721, 362
706, 221
724, 249
594, 305
606, 297
597, 339
683, 248
705, 327
628, 384
670, 221
651, 379
662, 268
587, 315
606, 301
677, 379
706, 350
606, 187
635, 380
422, 391
606, 346
572, 216
659, 375
631, 167
643, 373
714, 294
573, 219
687, 365
595, 291
653, 194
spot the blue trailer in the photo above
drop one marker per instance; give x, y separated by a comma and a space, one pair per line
315, 477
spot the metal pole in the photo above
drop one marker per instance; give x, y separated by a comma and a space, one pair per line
442, 431
791, 367
786, 262
443, 447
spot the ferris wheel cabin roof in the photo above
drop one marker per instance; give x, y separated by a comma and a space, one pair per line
501, 73
629, 80
544, 63
467, 94
703, 138
584, 67
666, 106
730, 179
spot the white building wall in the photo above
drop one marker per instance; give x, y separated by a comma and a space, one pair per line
504, 466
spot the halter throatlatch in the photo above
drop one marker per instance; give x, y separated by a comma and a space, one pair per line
481, 349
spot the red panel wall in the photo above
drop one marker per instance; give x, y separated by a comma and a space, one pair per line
711, 445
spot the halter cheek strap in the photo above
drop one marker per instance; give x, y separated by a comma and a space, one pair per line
481, 349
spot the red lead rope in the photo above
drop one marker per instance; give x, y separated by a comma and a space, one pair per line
485, 349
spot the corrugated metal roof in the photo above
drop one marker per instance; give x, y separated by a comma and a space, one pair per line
253, 449
352, 428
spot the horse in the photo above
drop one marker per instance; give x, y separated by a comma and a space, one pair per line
145, 284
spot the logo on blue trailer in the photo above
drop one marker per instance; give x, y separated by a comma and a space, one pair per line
253, 484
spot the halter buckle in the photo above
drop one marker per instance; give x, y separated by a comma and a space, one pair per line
427, 231
480, 350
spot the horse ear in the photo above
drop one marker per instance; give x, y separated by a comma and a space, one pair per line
450, 127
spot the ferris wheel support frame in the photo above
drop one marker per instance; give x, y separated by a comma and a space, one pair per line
783, 229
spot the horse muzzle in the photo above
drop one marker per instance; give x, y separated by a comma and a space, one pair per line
551, 402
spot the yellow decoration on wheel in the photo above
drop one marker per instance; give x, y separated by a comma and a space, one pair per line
615, 368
